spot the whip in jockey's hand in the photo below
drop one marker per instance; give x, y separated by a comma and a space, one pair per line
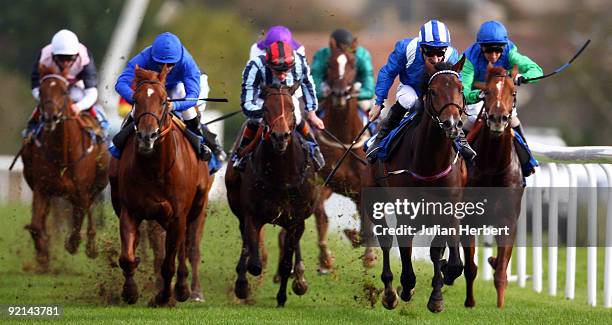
375, 112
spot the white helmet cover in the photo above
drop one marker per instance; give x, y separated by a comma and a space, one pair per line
65, 42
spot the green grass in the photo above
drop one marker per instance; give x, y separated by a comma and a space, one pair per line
89, 290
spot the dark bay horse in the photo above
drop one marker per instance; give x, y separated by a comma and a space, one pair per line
343, 124
277, 187
159, 178
64, 160
497, 165
425, 158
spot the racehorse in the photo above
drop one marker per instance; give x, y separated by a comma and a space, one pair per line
277, 187
342, 124
497, 165
159, 178
63, 160
427, 159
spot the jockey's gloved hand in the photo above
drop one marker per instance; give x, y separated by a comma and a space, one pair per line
519, 79
481, 95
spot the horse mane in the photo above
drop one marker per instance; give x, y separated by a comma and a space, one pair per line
496, 72
44, 70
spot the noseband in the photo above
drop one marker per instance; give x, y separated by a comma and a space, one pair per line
435, 114
485, 113
269, 126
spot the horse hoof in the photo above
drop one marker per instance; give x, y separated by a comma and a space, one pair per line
323, 271
72, 244
241, 289
130, 292
43, 262
254, 268
450, 272
406, 295
370, 259
299, 287
469, 303
280, 300
181, 292
435, 306
390, 299
197, 297
161, 300
492, 261
326, 260
91, 251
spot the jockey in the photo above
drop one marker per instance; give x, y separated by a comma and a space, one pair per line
281, 64
408, 61
66, 52
493, 46
183, 81
364, 81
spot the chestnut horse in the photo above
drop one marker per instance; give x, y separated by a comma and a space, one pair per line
276, 187
497, 165
159, 178
343, 124
64, 160
426, 159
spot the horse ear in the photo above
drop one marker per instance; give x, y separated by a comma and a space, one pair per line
163, 74
332, 44
294, 88
43, 70
514, 71
459, 65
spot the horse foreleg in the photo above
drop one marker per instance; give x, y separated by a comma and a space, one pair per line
175, 237
390, 298
128, 261
157, 240
73, 241
90, 248
326, 259
241, 287
408, 278
194, 235
294, 233
38, 228
299, 285
252, 228
452, 269
181, 288
366, 235
282, 235
436, 301
471, 269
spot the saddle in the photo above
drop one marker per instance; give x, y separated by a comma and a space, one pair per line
391, 142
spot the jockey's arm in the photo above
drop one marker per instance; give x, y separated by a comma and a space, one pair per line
365, 74
191, 80
309, 96
89, 75
251, 79
467, 79
35, 78
395, 63
526, 67
319, 69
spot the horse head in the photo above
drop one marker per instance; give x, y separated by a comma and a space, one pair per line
151, 107
443, 98
500, 98
54, 96
279, 115
341, 73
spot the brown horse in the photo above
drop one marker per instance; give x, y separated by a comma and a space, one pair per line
342, 124
497, 165
427, 159
276, 187
159, 177
64, 160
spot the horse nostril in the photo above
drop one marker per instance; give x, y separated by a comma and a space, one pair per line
447, 124
460, 124
286, 135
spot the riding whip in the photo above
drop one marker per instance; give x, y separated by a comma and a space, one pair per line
563, 67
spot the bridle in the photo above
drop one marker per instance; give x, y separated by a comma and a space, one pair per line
268, 127
429, 106
505, 118
61, 116
160, 120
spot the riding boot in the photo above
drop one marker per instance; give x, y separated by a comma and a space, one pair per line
527, 160
120, 139
195, 127
247, 136
396, 113
464, 147
212, 141
32, 123
319, 160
